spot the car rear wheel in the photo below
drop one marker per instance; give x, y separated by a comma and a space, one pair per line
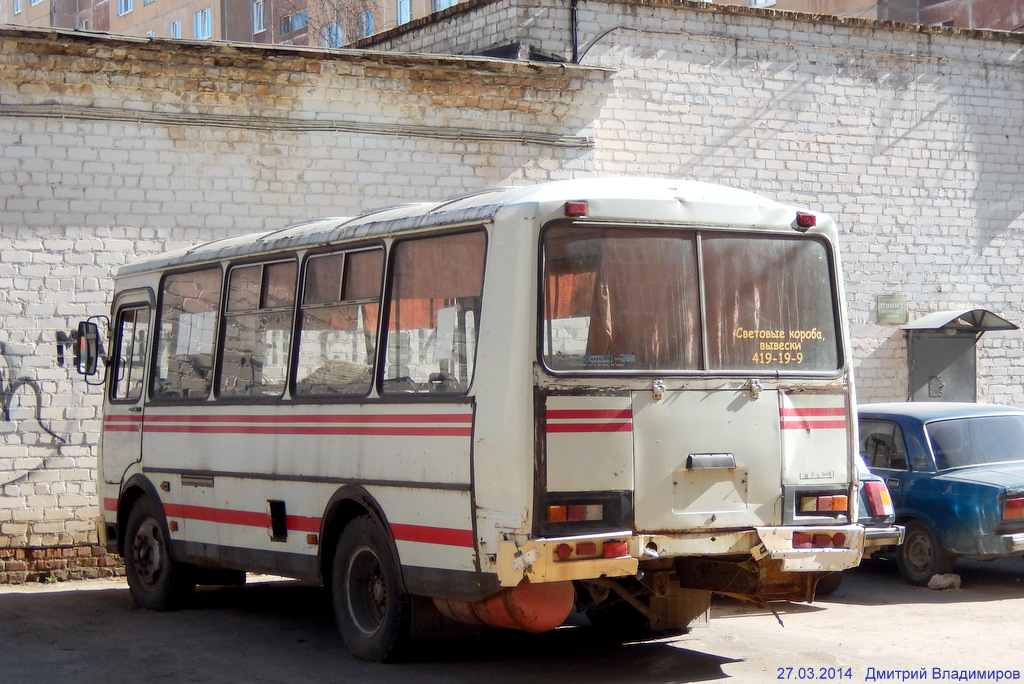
921, 557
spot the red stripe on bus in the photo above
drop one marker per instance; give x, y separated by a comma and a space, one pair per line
413, 533
813, 425
432, 535
590, 427
295, 523
807, 412
123, 419
411, 431
302, 419
219, 515
576, 414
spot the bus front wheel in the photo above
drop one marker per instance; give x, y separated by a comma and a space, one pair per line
154, 579
372, 613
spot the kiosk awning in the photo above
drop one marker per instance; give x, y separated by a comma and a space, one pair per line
967, 320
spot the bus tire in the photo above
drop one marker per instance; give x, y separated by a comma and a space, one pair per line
154, 579
921, 556
372, 613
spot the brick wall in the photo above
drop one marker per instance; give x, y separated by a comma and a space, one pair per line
911, 137
115, 148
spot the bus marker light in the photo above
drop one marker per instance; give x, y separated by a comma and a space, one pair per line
173, 525
575, 209
806, 221
586, 549
822, 540
615, 549
801, 540
563, 551
312, 539
839, 540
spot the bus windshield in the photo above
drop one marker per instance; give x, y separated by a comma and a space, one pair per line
683, 300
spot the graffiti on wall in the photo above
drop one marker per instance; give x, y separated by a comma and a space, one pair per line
26, 439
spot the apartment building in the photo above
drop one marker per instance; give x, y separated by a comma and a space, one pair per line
323, 23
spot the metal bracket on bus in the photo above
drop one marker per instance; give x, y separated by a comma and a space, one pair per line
754, 387
522, 560
658, 389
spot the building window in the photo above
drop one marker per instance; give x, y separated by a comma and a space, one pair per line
366, 23
17, 6
404, 11
148, 2
204, 28
438, 5
259, 20
151, 33
294, 22
123, 7
332, 35
35, 2
176, 29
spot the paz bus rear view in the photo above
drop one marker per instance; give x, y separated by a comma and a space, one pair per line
618, 396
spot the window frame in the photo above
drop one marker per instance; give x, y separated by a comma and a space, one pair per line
228, 315
158, 330
706, 368
303, 307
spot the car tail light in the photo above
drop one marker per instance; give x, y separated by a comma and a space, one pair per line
1013, 509
878, 499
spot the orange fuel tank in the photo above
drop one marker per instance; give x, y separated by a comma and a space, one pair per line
527, 607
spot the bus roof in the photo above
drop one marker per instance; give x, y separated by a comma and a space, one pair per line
611, 198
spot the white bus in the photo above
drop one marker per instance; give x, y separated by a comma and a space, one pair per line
616, 396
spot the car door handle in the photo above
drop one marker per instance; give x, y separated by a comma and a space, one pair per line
892, 482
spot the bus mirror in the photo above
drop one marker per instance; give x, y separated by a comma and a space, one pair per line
87, 348
85, 345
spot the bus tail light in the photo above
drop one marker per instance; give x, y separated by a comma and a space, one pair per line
575, 513
878, 500
819, 540
1013, 509
824, 504
583, 550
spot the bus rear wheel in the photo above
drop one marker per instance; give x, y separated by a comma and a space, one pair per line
154, 579
372, 613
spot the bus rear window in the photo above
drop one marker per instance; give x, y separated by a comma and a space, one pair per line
678, 300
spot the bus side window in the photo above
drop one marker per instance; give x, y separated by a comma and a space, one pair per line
338, 333
130, 347
185, 334
257, 330
434, 314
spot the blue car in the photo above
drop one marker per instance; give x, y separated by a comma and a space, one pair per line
956, 475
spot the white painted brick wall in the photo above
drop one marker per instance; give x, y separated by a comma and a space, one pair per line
80, 197
913, 140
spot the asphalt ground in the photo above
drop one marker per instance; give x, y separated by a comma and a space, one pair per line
274, 630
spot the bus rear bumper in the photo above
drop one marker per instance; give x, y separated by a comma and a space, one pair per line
817, 548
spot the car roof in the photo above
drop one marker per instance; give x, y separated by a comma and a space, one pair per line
936, 410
